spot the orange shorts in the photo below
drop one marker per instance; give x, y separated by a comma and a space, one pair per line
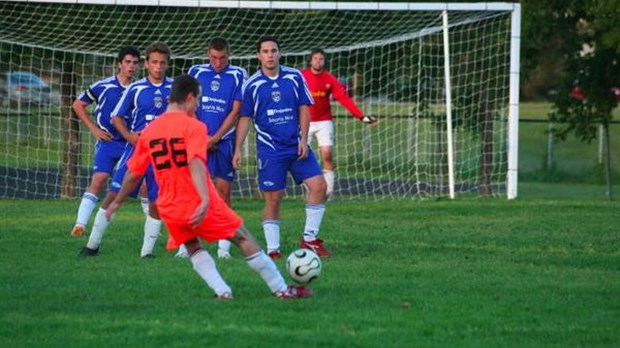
221, 222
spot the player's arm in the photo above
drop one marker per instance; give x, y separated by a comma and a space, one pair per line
343, 98
229, 122
304, 128
199, 177
136, 166
121, 126
79, 107
243, 127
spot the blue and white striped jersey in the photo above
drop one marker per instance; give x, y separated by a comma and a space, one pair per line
274, 103
219, 91
142, 103
106, 94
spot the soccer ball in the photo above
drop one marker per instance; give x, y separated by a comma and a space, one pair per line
303, 266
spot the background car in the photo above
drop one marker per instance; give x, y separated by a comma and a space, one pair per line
22, 88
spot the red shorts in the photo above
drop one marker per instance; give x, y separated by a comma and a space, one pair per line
221, 222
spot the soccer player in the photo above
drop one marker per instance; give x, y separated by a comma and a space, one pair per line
276, 98
322, 84
219, 107
143, 101
110, 144
175, 146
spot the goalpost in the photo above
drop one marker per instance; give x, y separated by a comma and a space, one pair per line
442, 78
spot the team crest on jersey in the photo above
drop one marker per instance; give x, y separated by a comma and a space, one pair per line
158, 102
215, 85
276, 96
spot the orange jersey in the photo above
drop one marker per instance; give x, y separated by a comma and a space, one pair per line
322, 85
169, 143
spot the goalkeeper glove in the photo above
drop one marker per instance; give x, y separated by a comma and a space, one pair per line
369, 119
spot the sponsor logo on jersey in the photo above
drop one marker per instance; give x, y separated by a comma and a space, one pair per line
275, 85
268, 183
276, 96
215, 85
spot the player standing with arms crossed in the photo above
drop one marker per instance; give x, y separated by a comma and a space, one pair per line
110, 144
219, 107
323, 84
143, 101
175, 146
276, 98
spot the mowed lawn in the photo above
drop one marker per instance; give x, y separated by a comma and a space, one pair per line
467, 273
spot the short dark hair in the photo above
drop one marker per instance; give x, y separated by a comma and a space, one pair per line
265, 39
158, 47
219, 44
317, 50
127, 50
182, 86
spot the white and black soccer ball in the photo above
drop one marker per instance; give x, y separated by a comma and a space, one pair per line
303, 266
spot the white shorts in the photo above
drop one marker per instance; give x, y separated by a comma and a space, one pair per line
324, 132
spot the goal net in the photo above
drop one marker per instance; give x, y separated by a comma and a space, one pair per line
441, 78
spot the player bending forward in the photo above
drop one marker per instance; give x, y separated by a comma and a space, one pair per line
175, 144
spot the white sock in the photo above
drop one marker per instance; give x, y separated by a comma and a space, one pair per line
330, 178
182, 252
314, 216
152, 227
88, 203
266, 269
272, 234
205, 267
99, 227
144, 202
224, 244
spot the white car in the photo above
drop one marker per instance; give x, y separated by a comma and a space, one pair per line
25, 88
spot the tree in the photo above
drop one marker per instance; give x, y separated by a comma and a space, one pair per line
588, 46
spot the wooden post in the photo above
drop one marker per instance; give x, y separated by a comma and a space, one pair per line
71, 129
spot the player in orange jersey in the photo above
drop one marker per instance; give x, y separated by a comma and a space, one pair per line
322, 85
175, 145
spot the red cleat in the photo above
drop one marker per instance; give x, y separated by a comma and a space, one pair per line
294, 292
316, 246
275, 254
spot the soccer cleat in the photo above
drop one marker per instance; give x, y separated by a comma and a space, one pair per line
316, 246
77, 231
275, 254
294, 292
86, 251
225, 296
223, 254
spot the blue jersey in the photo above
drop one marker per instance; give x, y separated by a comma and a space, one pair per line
219, 92
142, 103
106, 94
274, 103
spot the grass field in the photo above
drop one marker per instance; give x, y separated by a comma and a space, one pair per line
469, 273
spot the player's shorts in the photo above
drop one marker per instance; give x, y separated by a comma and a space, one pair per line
107, 155
272, 170
117, 179
219, 161
220, 222
324, 132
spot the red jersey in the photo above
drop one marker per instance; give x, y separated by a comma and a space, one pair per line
169, 143
322, 85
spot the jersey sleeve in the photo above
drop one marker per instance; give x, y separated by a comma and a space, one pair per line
342, 97
91, 95
125, 106
305, 97
238, 93
247, 101
196, 141
139, 161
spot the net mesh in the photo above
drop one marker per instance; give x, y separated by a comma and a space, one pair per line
390, 62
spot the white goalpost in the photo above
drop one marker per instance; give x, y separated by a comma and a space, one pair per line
442, 78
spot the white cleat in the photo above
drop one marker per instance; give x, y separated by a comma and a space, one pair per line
223, 254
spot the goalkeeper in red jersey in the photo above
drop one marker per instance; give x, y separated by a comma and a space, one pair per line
322, 85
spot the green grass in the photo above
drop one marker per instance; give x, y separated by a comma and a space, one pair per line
465, 273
